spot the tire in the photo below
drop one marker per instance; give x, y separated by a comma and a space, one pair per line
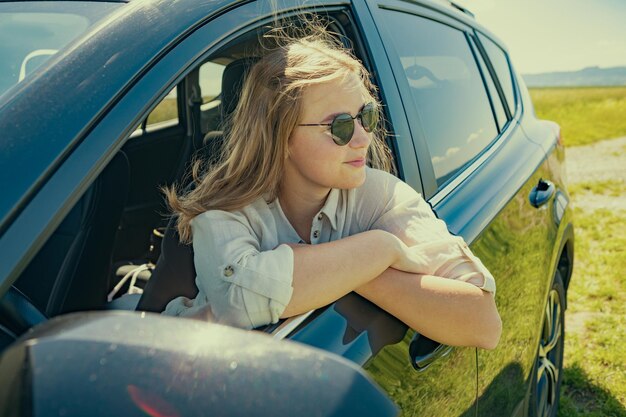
548, 370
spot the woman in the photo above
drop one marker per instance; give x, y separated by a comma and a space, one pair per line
292, 218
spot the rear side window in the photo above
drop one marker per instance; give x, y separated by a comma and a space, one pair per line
447, 88
165, 111
210, 79
500, 64
496, 102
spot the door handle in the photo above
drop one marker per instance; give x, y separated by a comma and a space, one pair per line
541, 193
424, 351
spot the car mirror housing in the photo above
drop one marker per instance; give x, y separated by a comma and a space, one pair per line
129, 363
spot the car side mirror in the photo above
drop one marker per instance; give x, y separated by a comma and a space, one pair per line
424, 351
130, 363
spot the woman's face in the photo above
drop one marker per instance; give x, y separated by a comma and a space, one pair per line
315, 162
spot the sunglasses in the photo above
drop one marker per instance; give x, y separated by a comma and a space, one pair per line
342, 126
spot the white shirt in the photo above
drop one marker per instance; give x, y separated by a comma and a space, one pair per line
245, 269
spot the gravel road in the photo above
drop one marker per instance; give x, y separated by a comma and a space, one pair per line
601, 161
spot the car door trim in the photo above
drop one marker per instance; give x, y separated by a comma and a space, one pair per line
456, 181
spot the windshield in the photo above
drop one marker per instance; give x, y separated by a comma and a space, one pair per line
32, 32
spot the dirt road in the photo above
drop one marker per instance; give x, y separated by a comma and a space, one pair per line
602, 161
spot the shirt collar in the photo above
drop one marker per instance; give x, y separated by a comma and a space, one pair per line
330, 207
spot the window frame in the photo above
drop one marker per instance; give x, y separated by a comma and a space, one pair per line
517, 104
432, 192
486, 77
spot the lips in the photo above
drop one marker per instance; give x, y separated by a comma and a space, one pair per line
359, 162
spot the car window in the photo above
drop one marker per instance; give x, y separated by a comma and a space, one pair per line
166, 112
210, 79
31, 33
503, 70
447, 89
496, 102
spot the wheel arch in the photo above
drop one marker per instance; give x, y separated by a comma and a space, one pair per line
565, 259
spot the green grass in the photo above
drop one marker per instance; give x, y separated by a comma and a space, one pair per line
594, 381
585, 114
612, 188
165, 110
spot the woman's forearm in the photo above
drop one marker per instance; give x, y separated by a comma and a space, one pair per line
326, 272
451, 312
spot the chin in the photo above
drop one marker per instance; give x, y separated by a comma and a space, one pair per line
355, 180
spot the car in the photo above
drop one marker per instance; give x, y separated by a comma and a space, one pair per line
104, 102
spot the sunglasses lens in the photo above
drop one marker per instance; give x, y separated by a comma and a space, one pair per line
342, 129
369, 117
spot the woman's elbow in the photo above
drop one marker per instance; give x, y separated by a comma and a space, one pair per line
491, 336
490, 326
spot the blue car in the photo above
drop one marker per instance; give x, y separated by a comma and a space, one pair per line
104, 102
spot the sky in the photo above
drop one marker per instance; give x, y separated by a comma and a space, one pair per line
556, 35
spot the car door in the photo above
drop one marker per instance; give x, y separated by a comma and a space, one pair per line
478, 170
423, 377
529, 227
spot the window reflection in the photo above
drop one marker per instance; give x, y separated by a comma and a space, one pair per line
448, 91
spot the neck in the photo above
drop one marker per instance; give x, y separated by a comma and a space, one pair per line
300, 205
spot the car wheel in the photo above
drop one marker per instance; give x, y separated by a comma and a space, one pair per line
546, 382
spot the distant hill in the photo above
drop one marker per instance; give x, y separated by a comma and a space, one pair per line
591, 76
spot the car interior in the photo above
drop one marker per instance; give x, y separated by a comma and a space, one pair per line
122, 222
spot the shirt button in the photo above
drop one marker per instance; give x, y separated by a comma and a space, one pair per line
316, 234
228, 271
319, 217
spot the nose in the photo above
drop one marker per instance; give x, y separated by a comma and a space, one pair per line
360, 138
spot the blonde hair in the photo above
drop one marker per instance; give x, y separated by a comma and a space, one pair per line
252, 161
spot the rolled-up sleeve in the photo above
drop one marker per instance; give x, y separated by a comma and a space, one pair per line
407, 215
244, 286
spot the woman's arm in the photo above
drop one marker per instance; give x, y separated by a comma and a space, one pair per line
451, 312
325, 272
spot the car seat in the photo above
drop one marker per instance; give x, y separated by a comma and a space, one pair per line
70, 272
175, 273
232, 81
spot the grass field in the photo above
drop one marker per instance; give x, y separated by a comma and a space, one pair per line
595, 348
594, 382
585, 114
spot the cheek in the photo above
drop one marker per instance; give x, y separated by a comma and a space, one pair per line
315, 156
326, 169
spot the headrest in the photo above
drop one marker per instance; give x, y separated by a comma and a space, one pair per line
232, 82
